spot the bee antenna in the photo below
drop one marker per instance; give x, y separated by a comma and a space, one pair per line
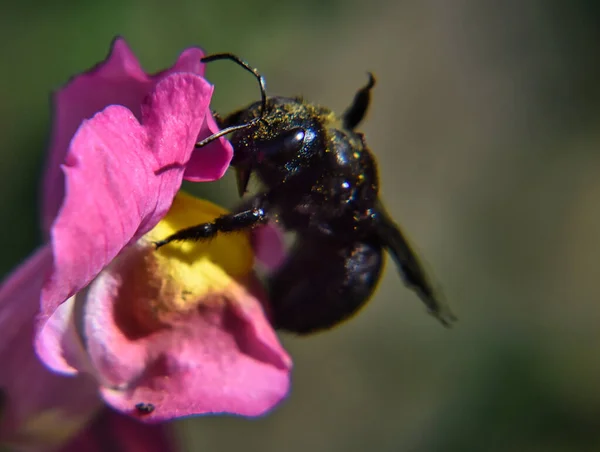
263, 95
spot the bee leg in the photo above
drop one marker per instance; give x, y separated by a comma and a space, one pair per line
322, 284
410, 268
232, 222
355, 113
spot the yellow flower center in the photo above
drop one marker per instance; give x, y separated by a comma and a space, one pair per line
160, 286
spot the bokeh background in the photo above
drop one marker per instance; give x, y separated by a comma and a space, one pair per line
485, 122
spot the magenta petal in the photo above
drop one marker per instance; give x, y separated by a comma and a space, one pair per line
173, 116
30, 389
210, 162
20, 294
121, 179
108, 174
222, 357
269, 246
119, 80
113, 431
188, 61
61, 348
219, 361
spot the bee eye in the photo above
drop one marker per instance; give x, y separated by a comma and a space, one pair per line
293, 140
282, 145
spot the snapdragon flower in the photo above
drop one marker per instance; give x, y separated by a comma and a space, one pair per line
183, 329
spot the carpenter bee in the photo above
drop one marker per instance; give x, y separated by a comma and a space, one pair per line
319, 181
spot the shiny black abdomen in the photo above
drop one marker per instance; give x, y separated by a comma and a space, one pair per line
322, 284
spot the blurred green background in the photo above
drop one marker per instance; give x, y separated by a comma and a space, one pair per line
485, 121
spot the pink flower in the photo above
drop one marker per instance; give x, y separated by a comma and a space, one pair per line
182, 329
39, 408
120, 80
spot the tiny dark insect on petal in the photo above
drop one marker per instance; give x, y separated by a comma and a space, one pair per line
144, 408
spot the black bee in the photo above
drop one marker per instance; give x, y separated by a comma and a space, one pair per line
320, 181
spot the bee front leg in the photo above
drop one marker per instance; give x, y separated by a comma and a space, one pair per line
232, 222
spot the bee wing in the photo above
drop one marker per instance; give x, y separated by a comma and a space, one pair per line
410, 268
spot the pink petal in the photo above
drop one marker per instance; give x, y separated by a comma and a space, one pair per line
119, 80
30, 389
121, 178
113, 431
222, 357
210, 162
188, 61
62, 349
108, 170
269, 246
173, 116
